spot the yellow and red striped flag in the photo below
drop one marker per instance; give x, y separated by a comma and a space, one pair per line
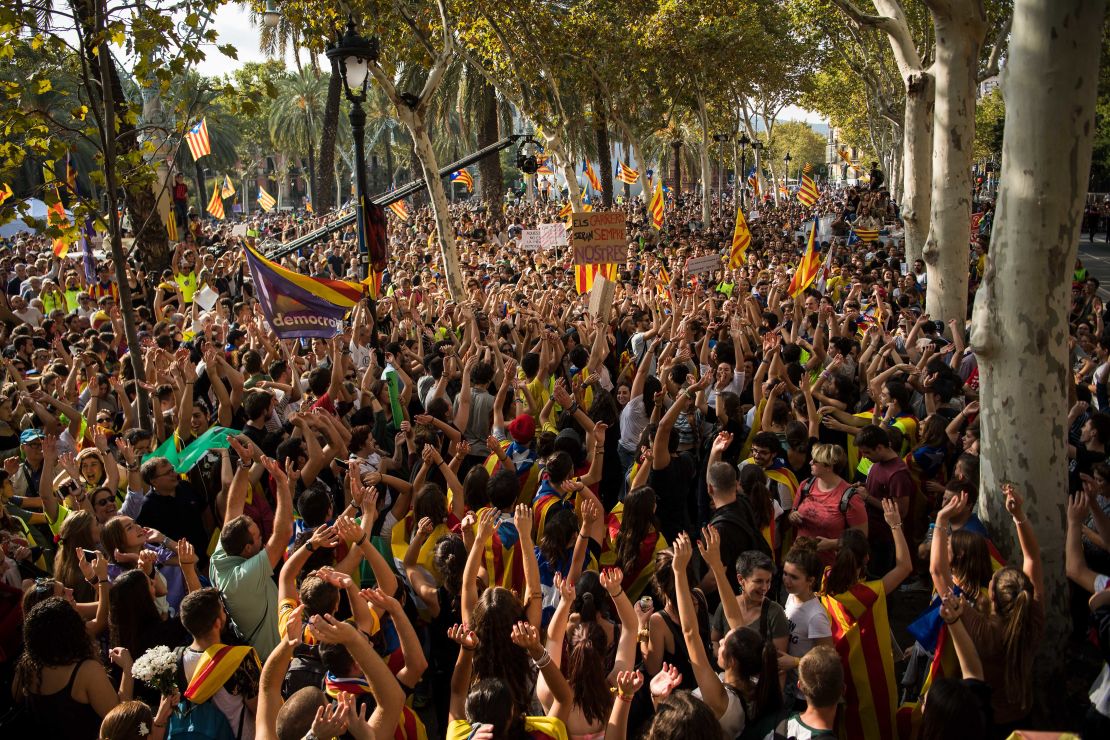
741, 240
374, 282
808, 267
861, 635
588, 170
865, 235
216, 204
844, 155
265, 201
656, 207
566, 210
56, 216
584, 275
465, 178
5, 192
807, 168
197, 139
400, 210
171, 226
227, 189
807, 193
626, 174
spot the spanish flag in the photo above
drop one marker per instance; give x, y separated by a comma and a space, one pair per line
808, 267
584, 275
637, 579
741, 240
216, 666
656, 207
861, 635
807, 193
588, 170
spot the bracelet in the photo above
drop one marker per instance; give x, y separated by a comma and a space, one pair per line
159, 724
895, 526
96, 582
544, 660
1019, 522
643, 635
952, 621
621, 695
361, 540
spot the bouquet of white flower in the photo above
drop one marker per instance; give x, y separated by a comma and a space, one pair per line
157, 668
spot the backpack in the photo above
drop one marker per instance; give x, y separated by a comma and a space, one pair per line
845, 498
732, 516
204, 721
305, 669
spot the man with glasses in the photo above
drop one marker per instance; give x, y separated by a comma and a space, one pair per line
767, 454
170, 504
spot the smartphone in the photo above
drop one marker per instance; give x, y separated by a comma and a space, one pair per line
90, 555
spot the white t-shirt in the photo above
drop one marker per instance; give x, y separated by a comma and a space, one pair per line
735, 386
809, 622
734, 720
634, 420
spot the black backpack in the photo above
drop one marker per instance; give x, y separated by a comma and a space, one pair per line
305, 669
747, 525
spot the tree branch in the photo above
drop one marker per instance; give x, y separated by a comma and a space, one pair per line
996, 49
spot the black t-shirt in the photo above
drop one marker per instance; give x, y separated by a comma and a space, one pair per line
672, 486
735, 523
177, 516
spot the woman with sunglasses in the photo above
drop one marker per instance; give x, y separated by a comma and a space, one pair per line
97, 614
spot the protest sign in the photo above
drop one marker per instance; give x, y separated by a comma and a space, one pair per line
599, 238
530, 240
553, 235
705, 263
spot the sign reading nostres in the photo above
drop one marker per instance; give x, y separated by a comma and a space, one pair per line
599, 238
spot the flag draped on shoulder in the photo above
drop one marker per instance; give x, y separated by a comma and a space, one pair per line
741, 240
265, 201
861, 635
588, 170
216, 203
197, 139
808, 267
807, 192
299, 305
656, 207
626, 174
465, 178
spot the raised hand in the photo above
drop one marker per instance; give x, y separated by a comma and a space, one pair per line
611, 580
331, 720
463, 636
380, 599
522, 518
710, 545
664, 682
276, 472
324, 537
628, 683
890, 513
186, 554
327, 629
722, 442
564, 587
1014, 501
348, 530
682, 552
147, 559
487, 523
526, 636
1078, 508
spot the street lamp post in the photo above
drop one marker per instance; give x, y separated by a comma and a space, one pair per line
742, 184
786, 177
720, 139
353, 53
757, 147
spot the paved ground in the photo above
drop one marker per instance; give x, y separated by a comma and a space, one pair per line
1096, 258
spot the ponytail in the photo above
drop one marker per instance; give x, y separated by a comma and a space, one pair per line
804, 556
850, 560
1012, 593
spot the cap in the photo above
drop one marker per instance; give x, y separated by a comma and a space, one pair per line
522, 429
30, 435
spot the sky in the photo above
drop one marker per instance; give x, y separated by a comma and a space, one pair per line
232, 23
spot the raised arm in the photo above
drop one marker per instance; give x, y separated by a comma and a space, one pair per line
713, 692
1030, 549
487, 522
903, 565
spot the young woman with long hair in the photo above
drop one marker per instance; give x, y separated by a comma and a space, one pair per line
634, 539
858, 610
1008, 633
809, 622
79, 532
747, 689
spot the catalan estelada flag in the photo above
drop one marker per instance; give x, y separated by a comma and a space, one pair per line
197, 139
809, 267
584, 275
588, 170
626, 174
265, 201
216, 666
807, 192
753, 180
5, 192
587, 205
216, 204
226, 188
566, 210
298, 305
464, 177
865, 235
400, 210
545, 169
741, 240
656, 207
861, 635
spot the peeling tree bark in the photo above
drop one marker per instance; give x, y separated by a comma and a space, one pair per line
960, 27
1020, 326
917, 162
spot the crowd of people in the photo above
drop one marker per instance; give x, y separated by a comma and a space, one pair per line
504, 515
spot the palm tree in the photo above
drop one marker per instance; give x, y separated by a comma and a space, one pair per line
297, 117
